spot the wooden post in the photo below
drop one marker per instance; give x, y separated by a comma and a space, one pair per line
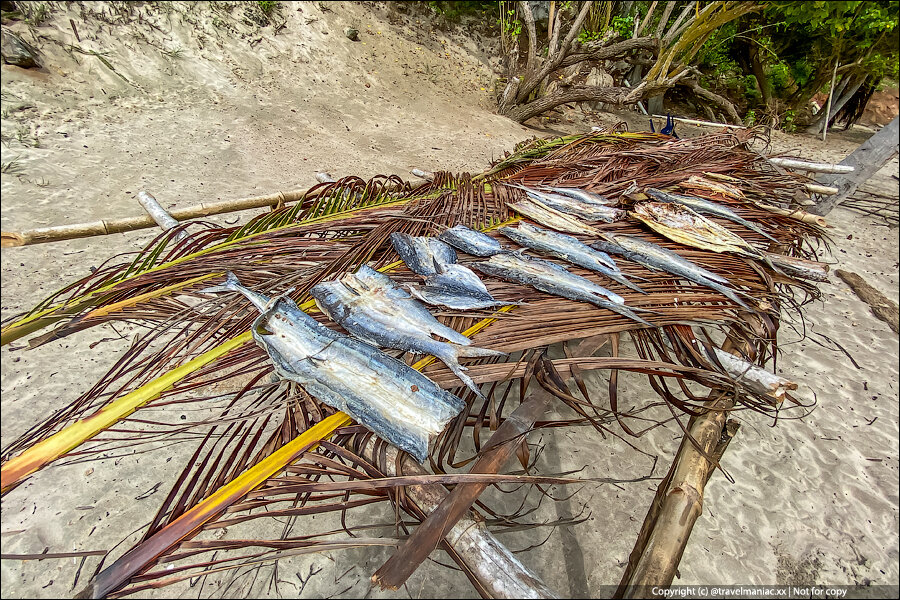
873, 154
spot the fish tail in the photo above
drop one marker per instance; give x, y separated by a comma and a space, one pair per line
449, 355
621, 279
473, 352
450, 334
625, 311
231, 284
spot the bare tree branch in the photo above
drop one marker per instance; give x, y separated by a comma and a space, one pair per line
670, 6
646, 19
593, 51
528, 17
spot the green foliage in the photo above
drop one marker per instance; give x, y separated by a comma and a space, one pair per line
788, 121
624, 26
750, 118
268, 7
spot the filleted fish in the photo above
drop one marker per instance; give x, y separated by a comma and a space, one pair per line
395, 401
656, 257
556, 280
701, 205
373, 308
470, 241
568, 249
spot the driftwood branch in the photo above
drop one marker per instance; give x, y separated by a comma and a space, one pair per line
701, 123
882, 307
716, 99
871, 156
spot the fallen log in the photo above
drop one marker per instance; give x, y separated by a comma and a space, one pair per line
882, 307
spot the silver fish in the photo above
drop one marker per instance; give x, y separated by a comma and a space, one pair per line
570, 250
584, 195
553, 279
470, 241
398, 403
659, 258
709, 207
570, 205
376, 310
421, 253
456, 287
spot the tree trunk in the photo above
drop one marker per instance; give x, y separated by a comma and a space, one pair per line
713, 98
849, 90
871, 156
579, 93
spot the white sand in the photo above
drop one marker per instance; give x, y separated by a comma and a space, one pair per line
815, 501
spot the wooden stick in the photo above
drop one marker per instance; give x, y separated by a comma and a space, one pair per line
797, 214
882, 307
158, 213
799, 267
324, 177
793, 163
423, 174
494, 568
702, 123
756, 378
830, 96
825, 190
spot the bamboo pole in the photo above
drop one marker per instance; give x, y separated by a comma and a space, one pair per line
678, 504
701, 123
825, 190
43, 235
830, 96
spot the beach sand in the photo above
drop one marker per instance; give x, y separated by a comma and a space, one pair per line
814, 500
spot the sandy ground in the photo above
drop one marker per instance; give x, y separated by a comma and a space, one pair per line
217, 109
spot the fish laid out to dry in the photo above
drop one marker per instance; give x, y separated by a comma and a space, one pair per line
571, 205
681, 224
584, 195
446, 283
395, 401
470, 241
376, 310
456, 287
568, 249
554, 279
701, 205
656, 257
422, 253
548, 217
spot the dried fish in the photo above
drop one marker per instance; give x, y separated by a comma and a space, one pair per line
591, 210
456, 287
398, 403
681, 224
374, 309
554, 279
709, 207
470, 241
569, 249
656, 257
421, 253
551, 218
584, 195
